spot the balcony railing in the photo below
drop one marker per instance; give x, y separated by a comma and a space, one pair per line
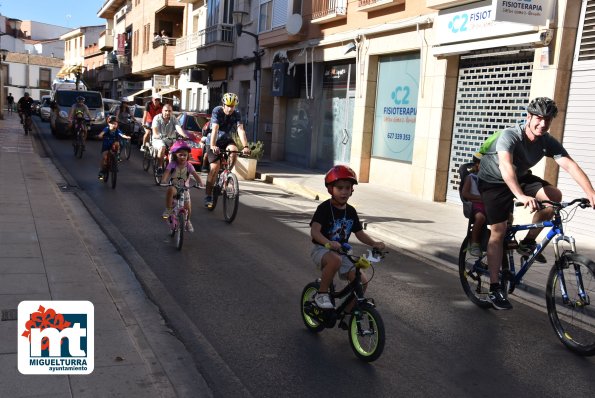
214, 34
164, 42
327, 10
373, 5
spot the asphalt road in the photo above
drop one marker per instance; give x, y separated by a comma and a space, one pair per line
240, 284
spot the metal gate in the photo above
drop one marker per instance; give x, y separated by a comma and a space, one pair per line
580, 119
492, 93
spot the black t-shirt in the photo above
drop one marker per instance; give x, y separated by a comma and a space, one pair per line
227, 123
25, 105
337, 224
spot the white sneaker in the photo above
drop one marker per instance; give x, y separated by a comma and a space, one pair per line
323, 301
474, 250
189, 226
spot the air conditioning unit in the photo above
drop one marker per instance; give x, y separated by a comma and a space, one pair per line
199, 76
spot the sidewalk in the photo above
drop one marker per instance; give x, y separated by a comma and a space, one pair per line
51, 249
430, 230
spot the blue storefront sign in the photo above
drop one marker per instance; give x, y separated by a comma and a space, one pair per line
396, 107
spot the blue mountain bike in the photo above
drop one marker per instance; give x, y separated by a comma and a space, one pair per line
570, 284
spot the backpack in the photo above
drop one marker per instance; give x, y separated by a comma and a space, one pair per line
485, 147
463, 173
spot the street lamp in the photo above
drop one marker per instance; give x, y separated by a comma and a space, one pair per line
239, 25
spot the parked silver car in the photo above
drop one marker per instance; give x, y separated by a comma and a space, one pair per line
45, 108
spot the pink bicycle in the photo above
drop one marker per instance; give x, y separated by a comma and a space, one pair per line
179, 215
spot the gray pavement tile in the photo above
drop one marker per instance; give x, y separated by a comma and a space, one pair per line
114, 347
21, 265
130, 381
8, 337
23, 284
11, 250
16, 385
19, 235
72, 272
81, 290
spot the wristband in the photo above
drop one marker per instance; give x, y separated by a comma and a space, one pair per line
327, 245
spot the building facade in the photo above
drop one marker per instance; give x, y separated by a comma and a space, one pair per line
33, 57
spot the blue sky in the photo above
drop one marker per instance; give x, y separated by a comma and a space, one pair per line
67, 13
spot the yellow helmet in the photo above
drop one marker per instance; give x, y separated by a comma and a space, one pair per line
230, 99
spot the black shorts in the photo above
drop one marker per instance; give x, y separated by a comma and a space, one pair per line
499, 200
222, 144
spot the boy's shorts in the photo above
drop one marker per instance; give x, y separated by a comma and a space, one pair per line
318, 251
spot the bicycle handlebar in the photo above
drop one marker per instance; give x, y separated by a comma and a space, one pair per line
364, 261
583, 203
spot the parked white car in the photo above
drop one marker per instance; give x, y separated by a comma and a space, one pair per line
45, 108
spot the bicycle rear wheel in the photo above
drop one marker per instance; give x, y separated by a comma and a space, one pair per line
573, 317
231, 198
474, 275
180, 232
114, 173
366, 333
307, 305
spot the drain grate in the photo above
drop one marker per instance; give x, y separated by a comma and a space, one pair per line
9, 315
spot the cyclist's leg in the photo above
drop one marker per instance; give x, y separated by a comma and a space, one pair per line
214, 165
547, 192
232, 156
479, 220
497, 234
330, 264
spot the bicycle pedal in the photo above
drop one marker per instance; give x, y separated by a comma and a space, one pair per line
343, 325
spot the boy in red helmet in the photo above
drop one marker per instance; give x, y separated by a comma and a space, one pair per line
332, 224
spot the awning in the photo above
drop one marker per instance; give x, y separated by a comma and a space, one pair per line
168, 91
138, 92
63, 71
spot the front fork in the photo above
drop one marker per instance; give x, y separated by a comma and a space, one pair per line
560, 265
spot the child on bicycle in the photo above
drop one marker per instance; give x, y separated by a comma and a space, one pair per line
179, 169
332, 224
111, 137
470, 192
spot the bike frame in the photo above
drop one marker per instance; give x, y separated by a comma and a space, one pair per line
179, 208
354, 288
554, 235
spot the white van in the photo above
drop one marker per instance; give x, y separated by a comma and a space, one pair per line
67, 84
62, 101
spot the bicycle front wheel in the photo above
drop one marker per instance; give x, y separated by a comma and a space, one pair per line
474, 275
147, 158
231, 198
366, 333
180, 232
126, 149
570, 287
114, 173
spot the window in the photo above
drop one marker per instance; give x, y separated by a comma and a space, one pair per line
45, 78
135, 43
274, 13
266, 15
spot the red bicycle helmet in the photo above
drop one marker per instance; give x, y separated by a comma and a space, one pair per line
179, 145
340, 173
